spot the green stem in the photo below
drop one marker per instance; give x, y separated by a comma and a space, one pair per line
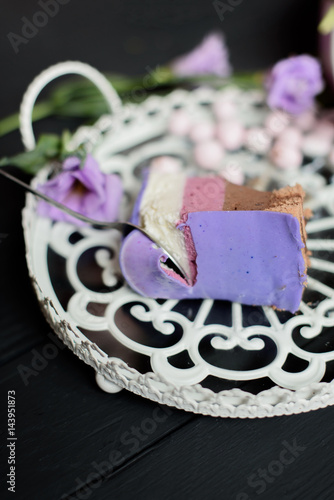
81, 99
10, 123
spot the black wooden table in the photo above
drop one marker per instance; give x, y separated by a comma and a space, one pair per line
73, 440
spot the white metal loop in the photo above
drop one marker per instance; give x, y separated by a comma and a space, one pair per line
61, 69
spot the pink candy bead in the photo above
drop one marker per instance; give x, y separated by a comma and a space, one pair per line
231, 134
224, 109
233, 173
285, 156
316, 145
202, 131
258, 140
276, 122
179, 123
325, 129
166, 164
291, 136
208, 154
305, 121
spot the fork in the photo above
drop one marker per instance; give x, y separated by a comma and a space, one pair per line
124, 227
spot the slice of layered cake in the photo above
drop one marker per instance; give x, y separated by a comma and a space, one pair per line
235, 243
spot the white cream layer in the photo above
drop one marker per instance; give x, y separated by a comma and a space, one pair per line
160, 210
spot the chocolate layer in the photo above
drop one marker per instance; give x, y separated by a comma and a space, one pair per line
244, 198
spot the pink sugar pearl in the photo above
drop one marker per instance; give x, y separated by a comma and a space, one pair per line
224, 109
316, 145
231, 134
291, 135
166, 164
285, 156
258, 140
179, 122
233, 173
209, 154
202, 131
305, 121
276, 122
324, 128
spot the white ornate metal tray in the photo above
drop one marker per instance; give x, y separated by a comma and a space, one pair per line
209, 357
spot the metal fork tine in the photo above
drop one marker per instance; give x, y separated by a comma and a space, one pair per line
124, 227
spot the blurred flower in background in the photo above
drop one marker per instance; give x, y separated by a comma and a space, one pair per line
293, 84
210, 57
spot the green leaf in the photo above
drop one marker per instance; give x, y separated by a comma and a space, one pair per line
28, 162
81, 99
49, 147
41, 110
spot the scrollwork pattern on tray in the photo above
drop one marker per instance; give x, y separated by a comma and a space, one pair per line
163, 317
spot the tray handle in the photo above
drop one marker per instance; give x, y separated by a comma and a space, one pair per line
64, 68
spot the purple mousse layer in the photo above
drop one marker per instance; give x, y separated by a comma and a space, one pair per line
253, 257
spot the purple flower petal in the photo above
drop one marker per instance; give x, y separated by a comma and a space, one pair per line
71, 163
87, 191
293, 84
210, 57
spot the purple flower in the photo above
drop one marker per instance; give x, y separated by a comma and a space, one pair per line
86, 190
208, 58
293, 83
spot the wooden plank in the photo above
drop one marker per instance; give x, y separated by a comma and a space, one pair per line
66, 424
82, 443
276, 459
21, 323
